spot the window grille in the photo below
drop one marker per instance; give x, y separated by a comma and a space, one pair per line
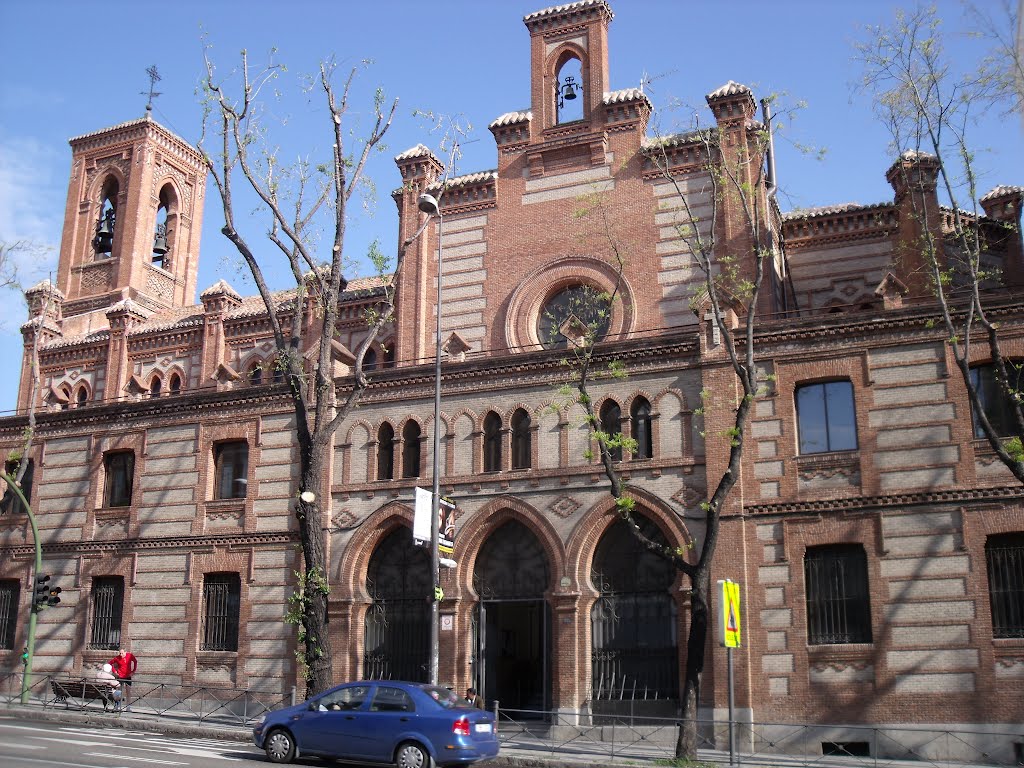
120, 470
222, 594
1005, 557
107, 607
826, 418
838, 602
232, 463
9, 593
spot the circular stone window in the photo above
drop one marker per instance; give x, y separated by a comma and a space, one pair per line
575, 311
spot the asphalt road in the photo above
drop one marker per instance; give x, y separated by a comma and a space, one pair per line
27, 743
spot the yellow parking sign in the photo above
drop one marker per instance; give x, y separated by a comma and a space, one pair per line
729, 613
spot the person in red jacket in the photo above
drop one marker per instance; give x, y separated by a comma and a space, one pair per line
124, 666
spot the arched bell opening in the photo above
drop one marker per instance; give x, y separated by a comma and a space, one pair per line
397, 622
634, 641
103, 240
569, 89
163, 233
512, 623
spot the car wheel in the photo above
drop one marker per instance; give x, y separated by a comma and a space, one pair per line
412, 755
280, 746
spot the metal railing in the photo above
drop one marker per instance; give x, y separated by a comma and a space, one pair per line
608, 740
194, 703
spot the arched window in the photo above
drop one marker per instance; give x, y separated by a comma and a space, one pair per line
522, 453
569, 91
370, 360
256, 374
82, 396
640, 422
611, 425
633, 622
411, 441
65, 392
278, 372
389, 354
175, 384
492, 442
103, 241
386, 452
155, 386
398, 621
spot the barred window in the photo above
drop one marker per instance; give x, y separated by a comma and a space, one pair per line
11, 503
492, 442
640, 417
232, 466
9, 594
826, 419
838, 599
522, 449
107, 607
119, 469
1005, 556
611, 425
222, 594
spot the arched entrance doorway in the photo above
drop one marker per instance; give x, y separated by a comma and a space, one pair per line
398, 621
512, 631
634, 651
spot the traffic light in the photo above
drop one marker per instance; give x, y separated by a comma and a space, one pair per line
41, 598
54, 597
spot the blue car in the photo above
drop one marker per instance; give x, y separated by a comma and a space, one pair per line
411, 725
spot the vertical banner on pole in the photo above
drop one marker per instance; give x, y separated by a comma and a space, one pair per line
729, 614
421, 517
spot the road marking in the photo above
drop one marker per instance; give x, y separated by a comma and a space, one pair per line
68, 765
23, 746
133, 759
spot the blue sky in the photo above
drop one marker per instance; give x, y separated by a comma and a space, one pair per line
72, 68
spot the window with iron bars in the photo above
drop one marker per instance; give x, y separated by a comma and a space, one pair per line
9, 593
1005, 556
838, 599
107, 606
222, 595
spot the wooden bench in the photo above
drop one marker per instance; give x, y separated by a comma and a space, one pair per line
67, 691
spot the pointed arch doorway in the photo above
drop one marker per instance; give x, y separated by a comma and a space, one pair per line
512, 622
397, 628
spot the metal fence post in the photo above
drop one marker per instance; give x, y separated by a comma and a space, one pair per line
294, 699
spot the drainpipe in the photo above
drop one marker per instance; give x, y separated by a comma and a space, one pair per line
789, 292
31, 643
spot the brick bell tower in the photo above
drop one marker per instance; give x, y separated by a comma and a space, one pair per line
132, 223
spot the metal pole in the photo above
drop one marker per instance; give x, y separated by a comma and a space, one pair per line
435, 501
31, 642
732, 705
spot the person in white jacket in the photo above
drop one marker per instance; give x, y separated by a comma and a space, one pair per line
106, 677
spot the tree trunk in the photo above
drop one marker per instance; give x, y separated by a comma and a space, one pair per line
686, 745
316, 619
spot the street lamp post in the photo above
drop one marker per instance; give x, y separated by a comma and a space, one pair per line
428, 204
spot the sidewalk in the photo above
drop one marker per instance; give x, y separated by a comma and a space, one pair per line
523, 755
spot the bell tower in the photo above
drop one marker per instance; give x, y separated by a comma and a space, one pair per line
132, 222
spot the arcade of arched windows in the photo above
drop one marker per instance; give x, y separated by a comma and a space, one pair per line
519, 439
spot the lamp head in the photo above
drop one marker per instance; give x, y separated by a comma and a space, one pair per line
428, 204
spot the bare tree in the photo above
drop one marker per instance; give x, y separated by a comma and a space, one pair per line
308, 206
1003, 67
732, 176
929, 109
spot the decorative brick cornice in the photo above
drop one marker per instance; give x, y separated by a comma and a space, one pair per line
558, 16
866, 503
205, 542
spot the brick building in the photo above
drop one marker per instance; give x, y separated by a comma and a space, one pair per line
868, 529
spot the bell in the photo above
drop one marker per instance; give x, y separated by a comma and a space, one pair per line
160, 244
570, 93
104, 234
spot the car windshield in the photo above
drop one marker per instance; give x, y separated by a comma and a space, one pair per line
443, 696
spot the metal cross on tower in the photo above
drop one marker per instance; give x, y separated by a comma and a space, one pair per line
154, 78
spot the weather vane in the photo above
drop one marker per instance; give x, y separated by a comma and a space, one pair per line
154, 78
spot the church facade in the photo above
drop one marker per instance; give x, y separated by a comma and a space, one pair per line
877, 540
